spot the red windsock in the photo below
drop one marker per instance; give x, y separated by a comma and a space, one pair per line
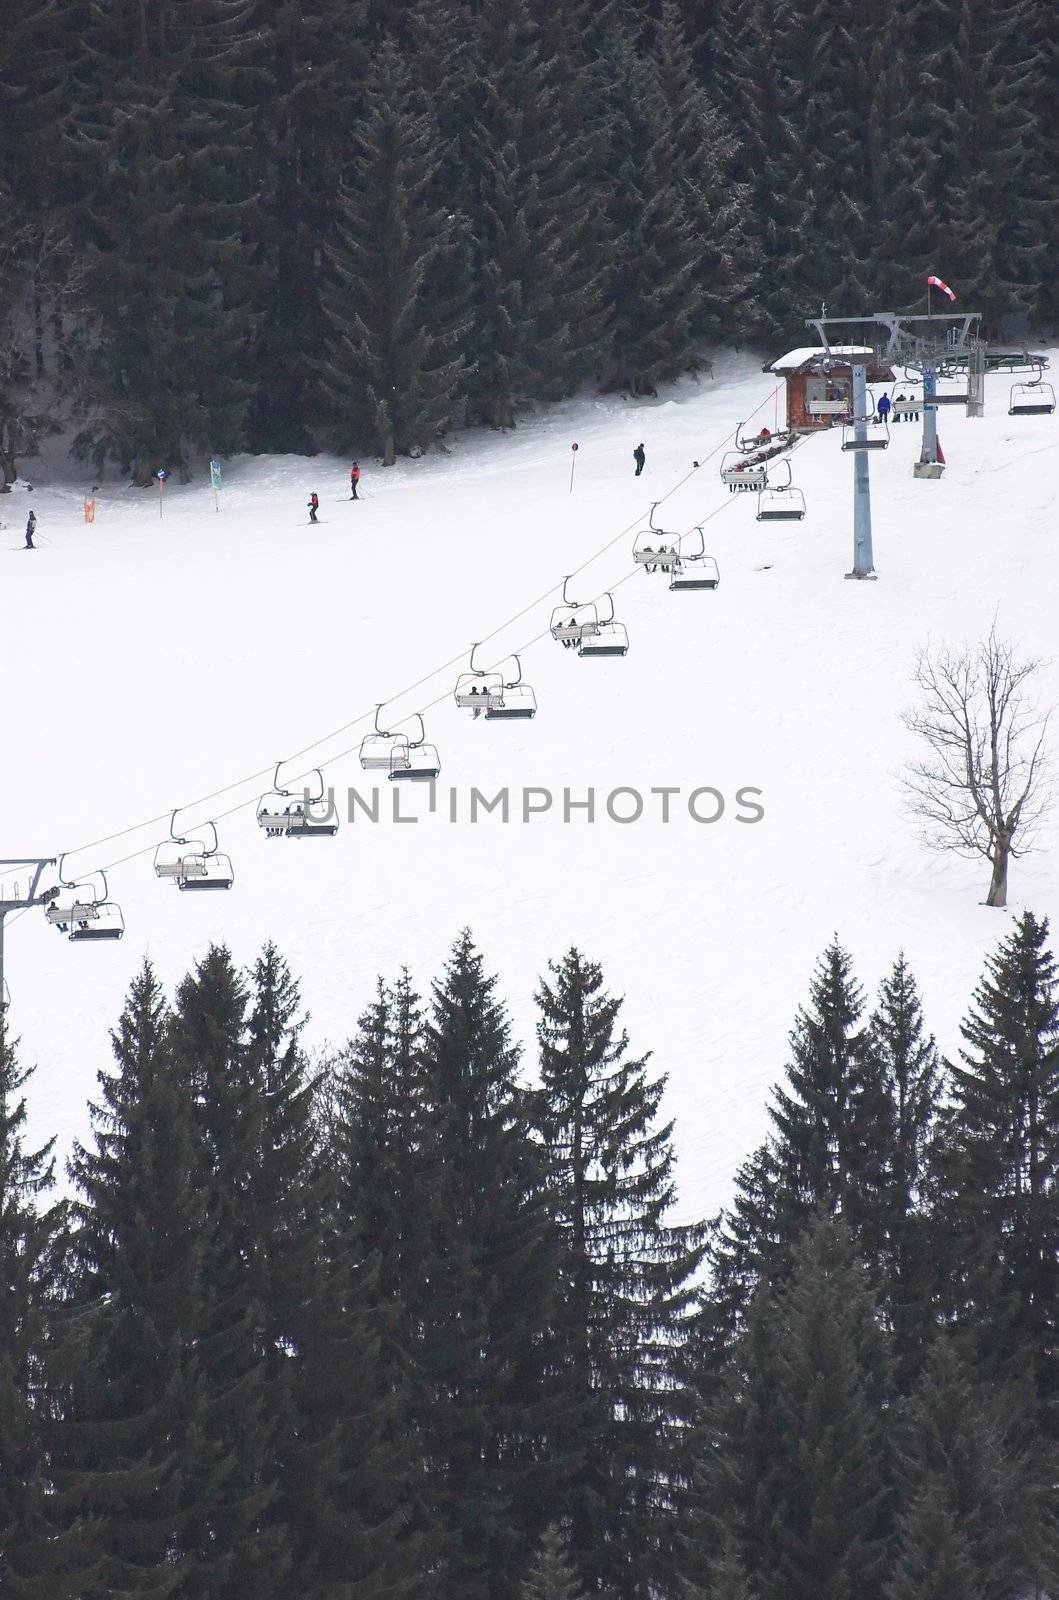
936, 283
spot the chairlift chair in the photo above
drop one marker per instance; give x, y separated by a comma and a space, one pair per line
781, 502
517, 700
88, 913
657, 556
477, 689
695, 569
572, 621
284, 814
377, 747
416, 761
193, 863
747, 443
740, 474
610, 638
876, 441
1033, 399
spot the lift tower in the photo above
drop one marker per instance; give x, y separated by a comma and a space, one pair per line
17, 901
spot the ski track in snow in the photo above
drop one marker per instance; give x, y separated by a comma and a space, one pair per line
151, 660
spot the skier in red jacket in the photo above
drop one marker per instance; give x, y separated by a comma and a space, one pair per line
354, 479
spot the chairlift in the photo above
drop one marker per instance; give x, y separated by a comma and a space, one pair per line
740, 474
517, 700
286, 814
695, 569
876, 441
87, 912
477, 689
415, 761
377, 747
764, 439
609, 637
193, 863
781, 502
572, 621
661, 554
1034, 398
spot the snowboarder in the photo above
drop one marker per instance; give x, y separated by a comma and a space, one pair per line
354, 479
31, 524
884, 407
640, 458
314, 505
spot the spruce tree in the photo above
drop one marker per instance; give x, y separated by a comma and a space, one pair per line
997, 1165
38, 1561
129, 1459
162, 151
653, 285
960, 1525
552, 1576
485, 1294
802, 1452
627, 1274
911, 1072
393, 372
244, 1416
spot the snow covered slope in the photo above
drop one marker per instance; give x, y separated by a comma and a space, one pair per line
146, 661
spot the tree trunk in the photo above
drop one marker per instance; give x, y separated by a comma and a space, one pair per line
389, 450
998, 888
142, 474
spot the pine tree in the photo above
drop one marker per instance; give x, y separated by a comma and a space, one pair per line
395, 371
627, 1276
37, 1561
802, 1451
485, 1290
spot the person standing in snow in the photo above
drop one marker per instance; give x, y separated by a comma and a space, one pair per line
354, 479
898, 400
884, 408
314, 505
31, 524
640, 458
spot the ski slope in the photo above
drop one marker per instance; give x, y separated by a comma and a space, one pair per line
148, 660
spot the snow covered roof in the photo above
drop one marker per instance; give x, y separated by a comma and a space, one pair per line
795, 360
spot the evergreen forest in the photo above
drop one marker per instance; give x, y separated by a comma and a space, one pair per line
295, 225
415, 1317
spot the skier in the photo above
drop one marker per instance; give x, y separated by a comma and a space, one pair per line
899, 400
314, 505
914, 402
640, 458
31, 524
354, 479
884, 407
765, 436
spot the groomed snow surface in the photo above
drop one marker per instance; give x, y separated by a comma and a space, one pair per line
148, 660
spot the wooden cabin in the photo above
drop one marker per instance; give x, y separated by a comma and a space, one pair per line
819, 386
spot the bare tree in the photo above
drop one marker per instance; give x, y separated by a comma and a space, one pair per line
982, 789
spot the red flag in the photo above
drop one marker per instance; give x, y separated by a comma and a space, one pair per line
936, 283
